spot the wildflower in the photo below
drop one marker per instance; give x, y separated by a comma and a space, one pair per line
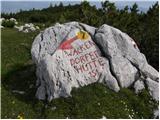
130, 116
103, 117
13, 102
20, 116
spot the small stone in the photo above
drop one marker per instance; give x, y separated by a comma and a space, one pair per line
1, 27
138, 86
16, 23
153, 88
18, 91
156, 114
13, 19
26, 31
20, 28
103, 117
37, 27
32, 28
27, 25
2, 19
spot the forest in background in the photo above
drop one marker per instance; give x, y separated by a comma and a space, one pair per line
142, 27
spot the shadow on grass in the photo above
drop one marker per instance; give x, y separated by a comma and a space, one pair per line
98, 100
21, 79
21, 83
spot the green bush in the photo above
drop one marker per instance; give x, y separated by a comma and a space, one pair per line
39, 18
8, 23
142, 27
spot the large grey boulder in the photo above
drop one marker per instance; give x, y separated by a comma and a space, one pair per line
75, 54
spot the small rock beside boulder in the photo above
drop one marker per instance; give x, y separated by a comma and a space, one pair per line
139, 86
13, 19
1, 26
153, 88
156, 114
28, 27
1, 20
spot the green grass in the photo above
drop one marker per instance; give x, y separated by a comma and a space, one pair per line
93, 101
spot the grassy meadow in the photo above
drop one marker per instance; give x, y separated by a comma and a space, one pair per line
93, 101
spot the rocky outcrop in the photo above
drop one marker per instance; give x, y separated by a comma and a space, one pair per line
28, 27
75, 54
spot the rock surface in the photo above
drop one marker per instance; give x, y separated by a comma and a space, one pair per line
138, 86
156, 114
75, 54
28, 27
153, 88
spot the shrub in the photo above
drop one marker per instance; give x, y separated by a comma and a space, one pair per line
8, 23
39, 18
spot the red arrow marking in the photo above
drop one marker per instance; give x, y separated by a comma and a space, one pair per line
67, 44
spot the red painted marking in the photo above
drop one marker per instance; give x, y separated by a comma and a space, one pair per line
67, 44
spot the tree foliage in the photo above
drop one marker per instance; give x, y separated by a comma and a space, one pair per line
8, 23
142, 27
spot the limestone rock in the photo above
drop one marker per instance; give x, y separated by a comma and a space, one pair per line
1, 27
16, 23
156, 114
75, 54
32, 28
2, 19
25, 31
37, 27
20, 28
28, 27
139, 86
13, 19
153, 88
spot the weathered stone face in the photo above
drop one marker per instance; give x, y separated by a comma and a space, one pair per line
75, 54
82, 55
